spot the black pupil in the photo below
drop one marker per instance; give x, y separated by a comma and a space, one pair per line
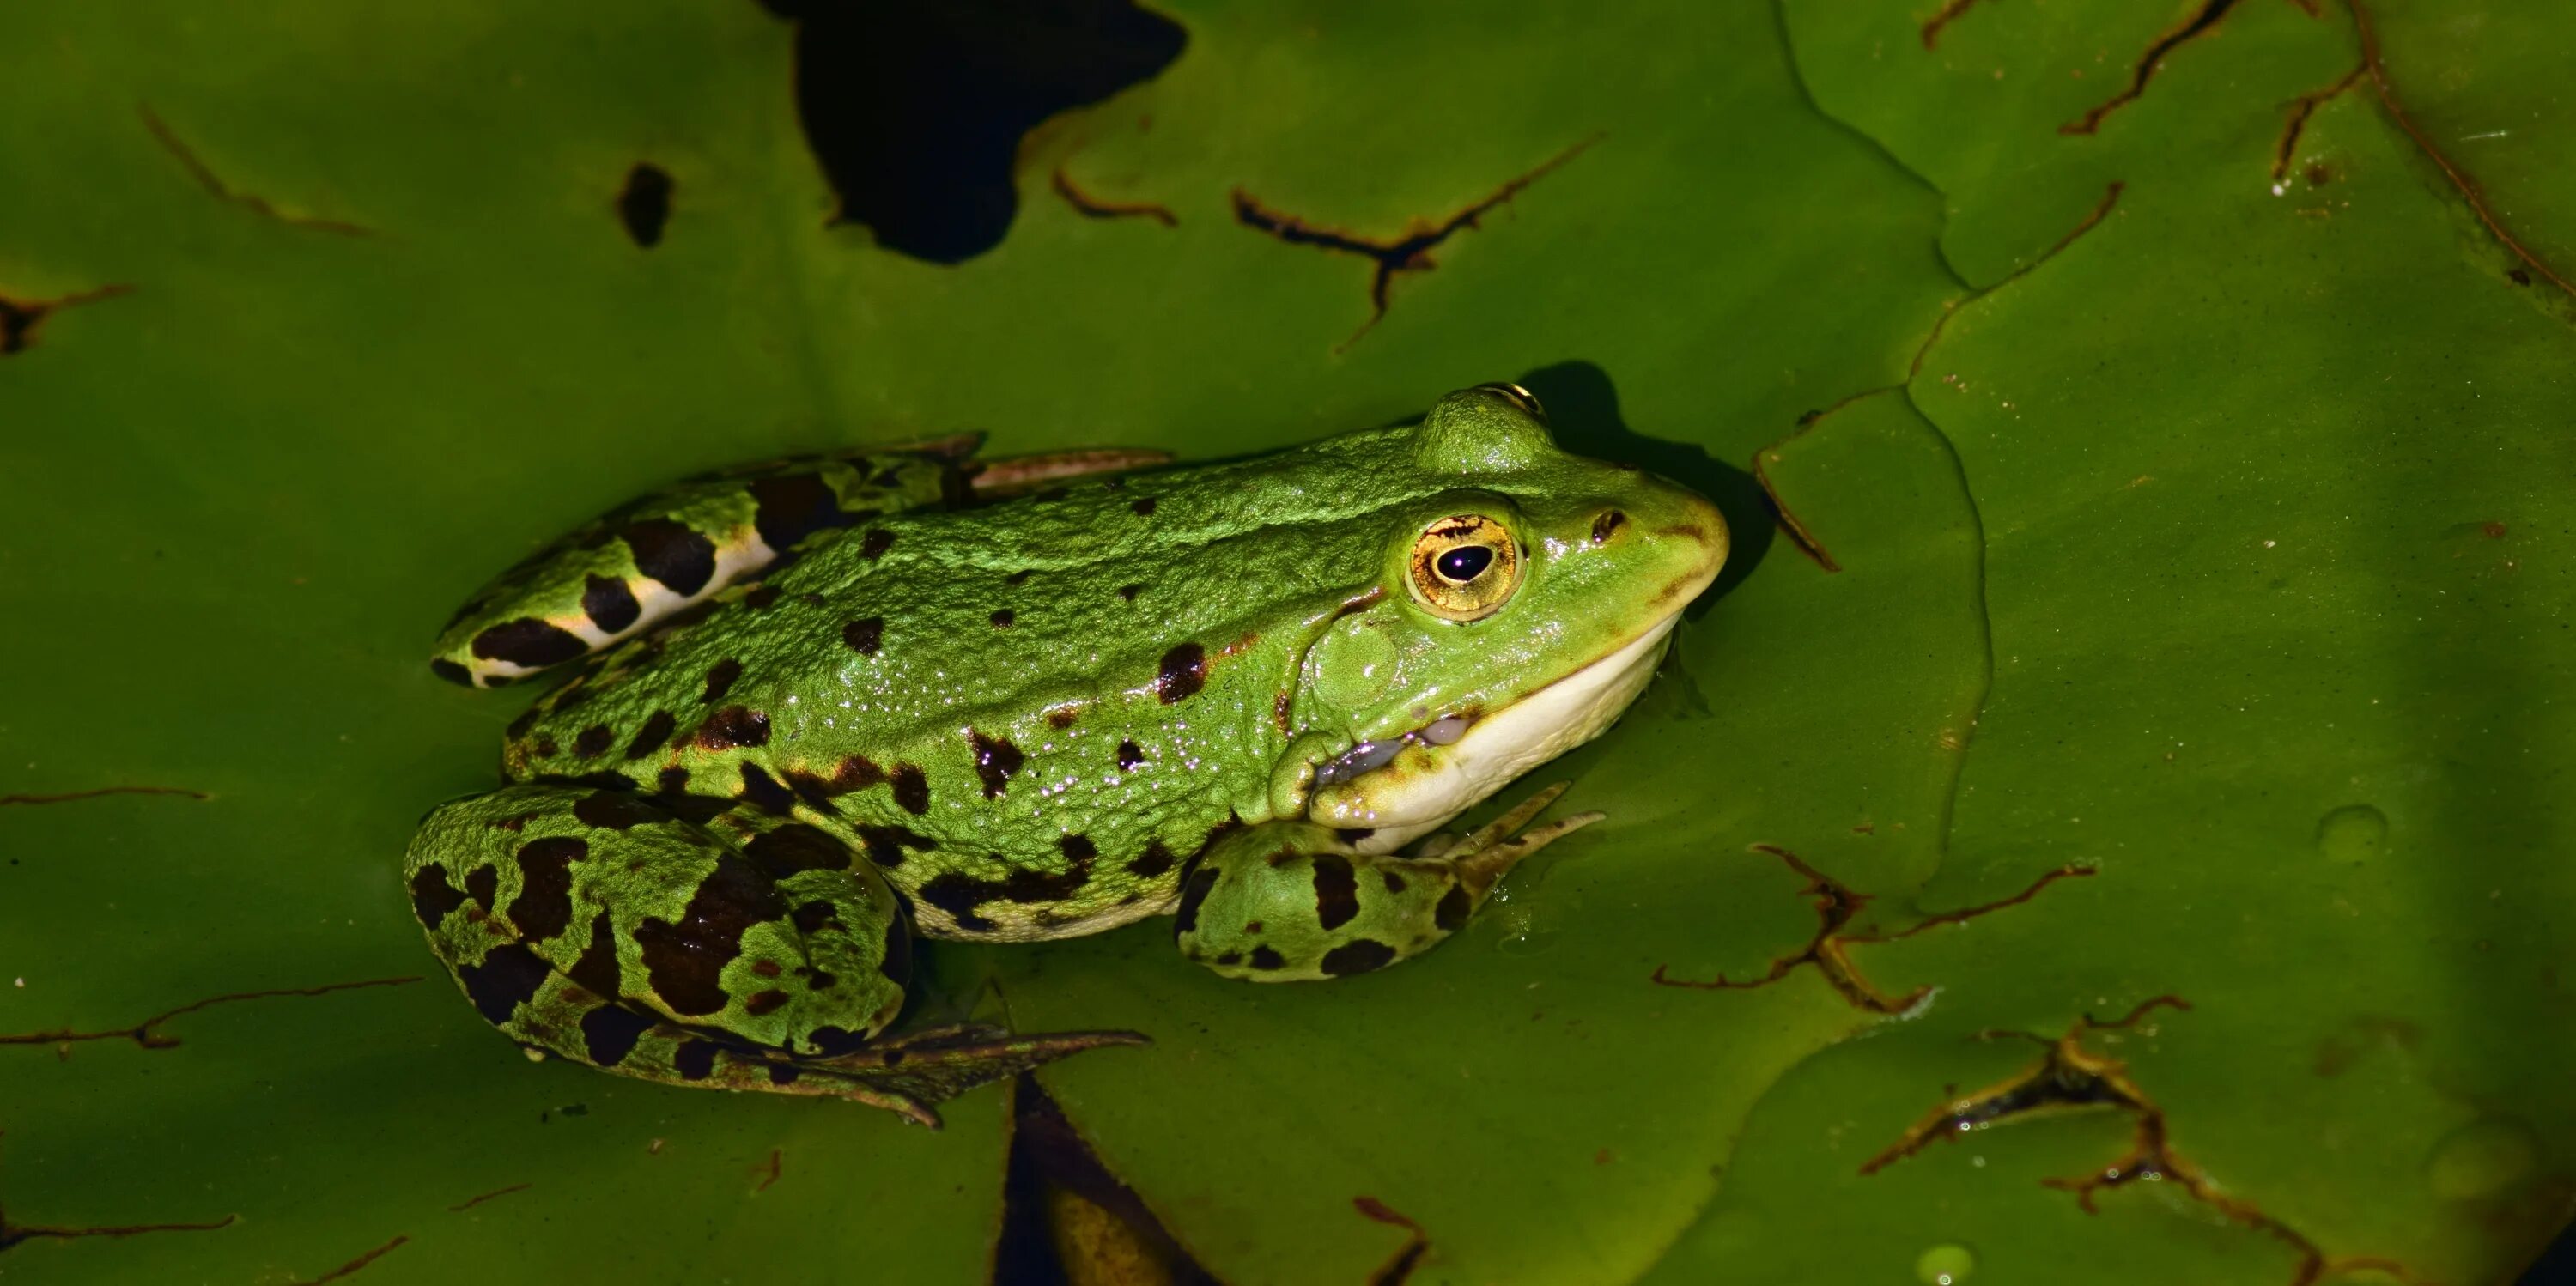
1466, 562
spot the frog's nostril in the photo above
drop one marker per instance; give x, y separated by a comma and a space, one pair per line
1606, 523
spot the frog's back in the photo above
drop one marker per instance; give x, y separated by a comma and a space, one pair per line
1028, 715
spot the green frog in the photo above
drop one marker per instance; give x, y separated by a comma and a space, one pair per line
835, 704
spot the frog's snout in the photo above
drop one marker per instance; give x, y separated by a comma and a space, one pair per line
1679, 530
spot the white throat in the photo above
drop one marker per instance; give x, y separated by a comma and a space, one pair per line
1423, 787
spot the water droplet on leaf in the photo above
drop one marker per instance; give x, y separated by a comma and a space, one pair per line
2353, 833
1945, 1265
2482, 1159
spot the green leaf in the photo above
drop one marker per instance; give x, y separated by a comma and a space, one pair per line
2169, 605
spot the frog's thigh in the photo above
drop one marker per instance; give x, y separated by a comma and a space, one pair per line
1289, 901
596, 925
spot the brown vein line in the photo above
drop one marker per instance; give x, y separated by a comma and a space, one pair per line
2192, 28
70, 795
142, 1034
1949, 13
2469, 190
1092, 207
473, 1201
361, 1261
2301, 108
214, 183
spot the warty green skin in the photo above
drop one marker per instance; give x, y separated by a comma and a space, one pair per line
1028, 720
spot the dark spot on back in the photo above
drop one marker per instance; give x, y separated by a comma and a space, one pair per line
780, 1073
650, 737
959, 896
1182, 674
795, 847
544, 905
1002, 618
1279, 711
1194, 890
1078, 849
684, 958
643, 205
483, 884
733, 726
885, 844
873, 545
911, 789
1155, 860
432, 897
1129, 592
507, 976
1061, 717
1129, 755
720, 677
609, 604
1337, 891
1451, 914
760, 597
1143, 506
856, 772
794, 507
1358, 956
596, 971
1394, 882
1017, 578
765, 793
609, 1033
593, 741
1265, 958
995, 760
451, 671
615, 810
672, 781
669, 552
864, 634
765, 1002
544, 745
694, 1060
529, 642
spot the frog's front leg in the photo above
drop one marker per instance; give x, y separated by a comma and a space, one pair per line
742, 952
1289, 901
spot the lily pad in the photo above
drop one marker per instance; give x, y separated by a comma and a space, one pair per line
2164, 612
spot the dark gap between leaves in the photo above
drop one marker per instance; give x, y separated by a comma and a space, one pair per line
1053, 1173
916, 112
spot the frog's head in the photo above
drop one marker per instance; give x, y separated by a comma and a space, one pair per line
1524, 600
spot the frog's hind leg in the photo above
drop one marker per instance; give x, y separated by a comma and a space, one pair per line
1292, 901
617, 576
737, 951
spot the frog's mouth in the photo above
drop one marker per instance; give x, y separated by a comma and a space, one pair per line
1397, 788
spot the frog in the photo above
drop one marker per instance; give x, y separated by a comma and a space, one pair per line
822, 709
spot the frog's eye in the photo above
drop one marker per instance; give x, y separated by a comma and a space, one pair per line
1464, 567
1520, 398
